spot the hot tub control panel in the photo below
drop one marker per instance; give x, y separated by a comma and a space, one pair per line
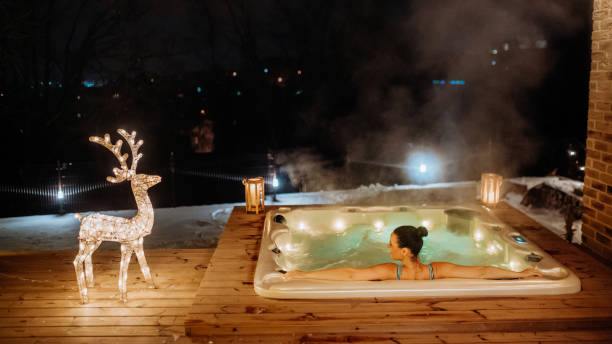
519, 239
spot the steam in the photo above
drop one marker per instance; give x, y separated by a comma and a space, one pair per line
479, 127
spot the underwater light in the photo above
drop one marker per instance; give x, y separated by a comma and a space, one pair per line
425, 223
514, 265
339, 226
478, 236
378, 225
60, 194
275, 182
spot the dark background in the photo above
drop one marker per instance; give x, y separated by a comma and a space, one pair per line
361, 90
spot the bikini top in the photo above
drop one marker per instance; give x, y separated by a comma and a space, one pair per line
399, 271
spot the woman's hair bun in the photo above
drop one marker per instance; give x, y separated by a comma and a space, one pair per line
422, 231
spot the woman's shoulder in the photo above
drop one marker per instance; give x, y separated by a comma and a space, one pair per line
440, 268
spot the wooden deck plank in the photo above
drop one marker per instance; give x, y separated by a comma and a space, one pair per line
39, 301
483, 337
226, 304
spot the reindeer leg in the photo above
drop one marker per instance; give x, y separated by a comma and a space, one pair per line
88, 266
80, 274
144, 267
126, 255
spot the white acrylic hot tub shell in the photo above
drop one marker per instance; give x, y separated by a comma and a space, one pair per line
268, 282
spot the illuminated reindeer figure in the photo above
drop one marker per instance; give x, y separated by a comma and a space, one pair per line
96, 228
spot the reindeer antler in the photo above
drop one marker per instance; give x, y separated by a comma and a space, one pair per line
123, 173
133, 146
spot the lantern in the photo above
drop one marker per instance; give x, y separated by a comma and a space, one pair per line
490, 188
254, 194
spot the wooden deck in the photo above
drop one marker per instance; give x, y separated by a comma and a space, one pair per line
40, 301
227, 309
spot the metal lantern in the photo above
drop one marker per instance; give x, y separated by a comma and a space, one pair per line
490, 188
254, 194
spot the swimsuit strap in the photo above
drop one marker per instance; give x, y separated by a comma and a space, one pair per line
431, 272
398, 274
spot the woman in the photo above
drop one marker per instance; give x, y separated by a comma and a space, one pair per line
404, 245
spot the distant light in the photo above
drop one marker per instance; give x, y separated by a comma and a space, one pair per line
506, 46
266, 70
493, 63
180, 95
571, 152
279, 79
275, 182
59, 85
541, 44
581, 168
89, 83
436, 82
202, 112
442, 82
78, 115
78, 97
50, 83
60, 194
299, 72
298, 92
115, 95
152, 80
238, 93
494, 51
460, 82
199, 89
423, 167
234, 74
1, 94
452, 82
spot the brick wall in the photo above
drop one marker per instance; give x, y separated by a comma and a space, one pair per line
597, 215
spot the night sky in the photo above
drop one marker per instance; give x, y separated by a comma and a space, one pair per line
481, 85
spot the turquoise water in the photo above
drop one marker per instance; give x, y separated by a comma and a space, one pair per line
363, 245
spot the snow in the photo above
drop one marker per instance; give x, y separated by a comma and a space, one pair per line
551, 219
201, 226
568, 186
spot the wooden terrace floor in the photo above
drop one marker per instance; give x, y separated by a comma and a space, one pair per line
226, 309
39, 298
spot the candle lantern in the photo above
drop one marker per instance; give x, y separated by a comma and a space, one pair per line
490, 188
254, 194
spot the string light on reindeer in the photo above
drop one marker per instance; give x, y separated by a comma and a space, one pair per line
97, 227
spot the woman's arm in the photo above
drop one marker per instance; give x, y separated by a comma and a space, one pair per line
377, 272
449, 270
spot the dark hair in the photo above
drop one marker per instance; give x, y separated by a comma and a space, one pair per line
411, 237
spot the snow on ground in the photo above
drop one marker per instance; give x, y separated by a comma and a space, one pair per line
201, 226
551, 219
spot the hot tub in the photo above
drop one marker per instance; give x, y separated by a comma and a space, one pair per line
309, 238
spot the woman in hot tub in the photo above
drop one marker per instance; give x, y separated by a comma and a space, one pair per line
404, 245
